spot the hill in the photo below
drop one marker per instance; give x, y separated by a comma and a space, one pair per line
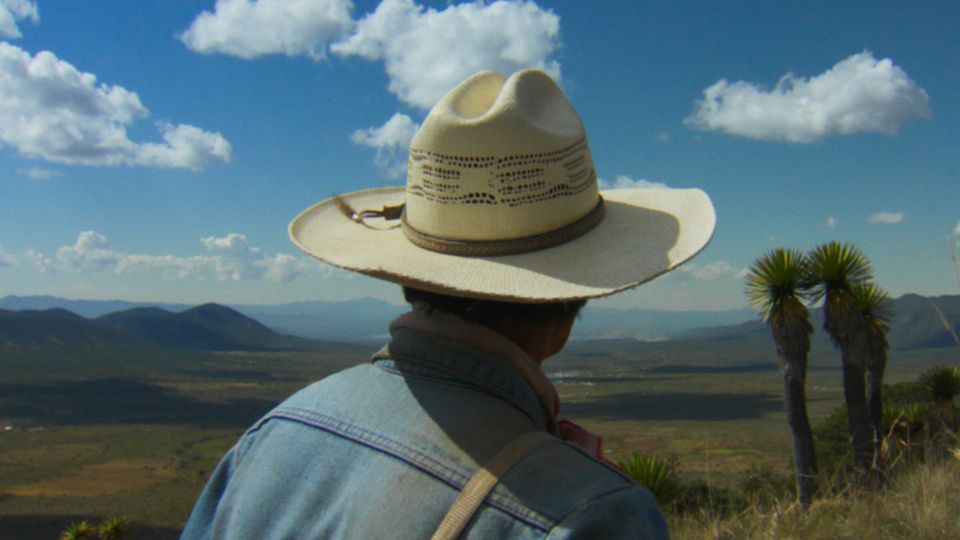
366, 319
56, 328
919, 322
209, 327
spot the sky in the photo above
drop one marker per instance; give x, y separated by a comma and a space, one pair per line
157, 150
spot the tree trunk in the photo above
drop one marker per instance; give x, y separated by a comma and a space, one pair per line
858, 421
875, 408
795, 407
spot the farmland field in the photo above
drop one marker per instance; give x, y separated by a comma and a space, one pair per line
93, 434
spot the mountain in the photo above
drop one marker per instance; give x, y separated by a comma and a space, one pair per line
919, 322
367, 319
57, 328
649, 324
351, 320
84, 308
209, 327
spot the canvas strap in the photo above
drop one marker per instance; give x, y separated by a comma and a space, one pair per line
483, 481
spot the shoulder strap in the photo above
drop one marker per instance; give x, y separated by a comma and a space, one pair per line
483, 481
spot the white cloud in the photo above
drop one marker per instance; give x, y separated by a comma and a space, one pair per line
885, 218
391, 141
186, 147
91, 252
38, 173
625, 182
12, 11
40, 262
858, 94
663, 137
832, 222
712, 271
235, 256
956, 230
7, 260
227, 258
427, 52
51, 110
249, 29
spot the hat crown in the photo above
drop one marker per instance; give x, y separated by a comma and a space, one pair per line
500, 158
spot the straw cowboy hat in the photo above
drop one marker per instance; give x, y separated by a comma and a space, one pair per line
502, 203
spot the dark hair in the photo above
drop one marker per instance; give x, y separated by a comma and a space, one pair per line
494, 312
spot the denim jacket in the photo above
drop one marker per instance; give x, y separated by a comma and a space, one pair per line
382, 450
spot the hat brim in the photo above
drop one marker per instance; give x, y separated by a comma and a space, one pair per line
644, 233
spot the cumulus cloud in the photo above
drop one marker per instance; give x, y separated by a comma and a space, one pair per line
885, 218
426, 52
858, 94
249, 29
391, 141
91, 252
12, 11
711, 271
41, 262
625, 182
51, 110
185, 147
832, 222
231, 257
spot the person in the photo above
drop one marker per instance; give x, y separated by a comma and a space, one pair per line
498, 239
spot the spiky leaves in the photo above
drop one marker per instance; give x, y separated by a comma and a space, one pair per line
941, 386
775, 285
835, 269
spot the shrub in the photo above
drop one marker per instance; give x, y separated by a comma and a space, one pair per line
79, 530
657, 475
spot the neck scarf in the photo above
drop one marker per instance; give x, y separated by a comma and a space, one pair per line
479, 336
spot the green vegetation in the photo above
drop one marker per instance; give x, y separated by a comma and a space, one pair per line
776, 286
918, 504
112, 528
835, 270
656, 474
136, 431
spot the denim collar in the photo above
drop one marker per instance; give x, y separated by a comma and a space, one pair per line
475, 355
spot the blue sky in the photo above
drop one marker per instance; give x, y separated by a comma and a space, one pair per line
157, 150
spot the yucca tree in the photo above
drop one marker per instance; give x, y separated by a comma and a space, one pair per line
941, 386
835, 269
877, 310
775, 286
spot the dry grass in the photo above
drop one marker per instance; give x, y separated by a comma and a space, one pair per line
918, 504
101, 479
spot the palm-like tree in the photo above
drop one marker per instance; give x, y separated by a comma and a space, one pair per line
877, 310
775, 286
835, 269
941, 386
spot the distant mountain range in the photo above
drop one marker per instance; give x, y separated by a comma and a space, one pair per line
919, 322
367, 319
209, 327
